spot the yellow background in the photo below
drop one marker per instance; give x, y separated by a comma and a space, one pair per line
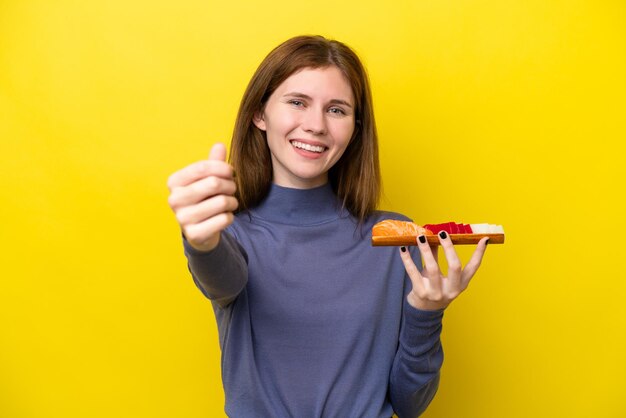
499, 111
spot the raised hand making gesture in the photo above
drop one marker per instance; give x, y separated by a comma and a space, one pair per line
201, 196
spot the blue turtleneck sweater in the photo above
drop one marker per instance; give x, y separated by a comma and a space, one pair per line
313, 321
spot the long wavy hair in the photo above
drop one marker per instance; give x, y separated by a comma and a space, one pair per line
355, 178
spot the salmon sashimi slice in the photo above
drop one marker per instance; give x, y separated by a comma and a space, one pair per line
393, 228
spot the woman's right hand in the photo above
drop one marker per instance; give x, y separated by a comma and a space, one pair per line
202, 197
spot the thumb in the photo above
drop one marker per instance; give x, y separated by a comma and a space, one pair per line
218, 152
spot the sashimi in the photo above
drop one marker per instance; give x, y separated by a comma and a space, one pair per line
394, 232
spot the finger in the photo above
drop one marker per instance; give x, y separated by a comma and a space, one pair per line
199, 170
412, 271
200, 190
206, 209
472, 266
452, 259
435, 250
431, 270
218, 152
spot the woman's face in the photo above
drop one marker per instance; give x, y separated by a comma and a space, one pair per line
309, 120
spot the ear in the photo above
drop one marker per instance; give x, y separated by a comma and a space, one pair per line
259, 120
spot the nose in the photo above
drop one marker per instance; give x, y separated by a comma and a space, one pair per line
314, 122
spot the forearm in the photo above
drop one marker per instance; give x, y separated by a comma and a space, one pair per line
415, 374
220, 273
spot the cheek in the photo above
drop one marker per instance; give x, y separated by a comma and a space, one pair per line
281, 121
345, 132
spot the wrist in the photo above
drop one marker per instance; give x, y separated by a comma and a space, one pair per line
425, 305
206, 246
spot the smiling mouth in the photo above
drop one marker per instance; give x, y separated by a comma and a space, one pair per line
308, 147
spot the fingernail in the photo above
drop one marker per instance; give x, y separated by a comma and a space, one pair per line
422, 239
443, 235
403, 249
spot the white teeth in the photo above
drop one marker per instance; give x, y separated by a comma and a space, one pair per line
308, 147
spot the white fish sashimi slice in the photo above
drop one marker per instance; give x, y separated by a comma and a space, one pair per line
479, 228
487, 229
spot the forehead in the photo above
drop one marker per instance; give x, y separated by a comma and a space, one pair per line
327, 82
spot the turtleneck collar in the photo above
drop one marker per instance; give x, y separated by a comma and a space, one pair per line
299, 206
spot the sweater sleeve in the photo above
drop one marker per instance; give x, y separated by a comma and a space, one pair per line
415, 373
221, 273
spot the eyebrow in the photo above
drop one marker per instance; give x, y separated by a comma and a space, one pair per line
304, 96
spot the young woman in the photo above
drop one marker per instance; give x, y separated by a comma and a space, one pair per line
313, 321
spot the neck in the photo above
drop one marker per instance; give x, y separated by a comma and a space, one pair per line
299, 206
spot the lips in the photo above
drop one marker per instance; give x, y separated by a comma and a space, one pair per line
306, 146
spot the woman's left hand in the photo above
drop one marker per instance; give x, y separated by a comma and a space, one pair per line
431, 290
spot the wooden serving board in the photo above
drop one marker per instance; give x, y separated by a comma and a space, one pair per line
457, 239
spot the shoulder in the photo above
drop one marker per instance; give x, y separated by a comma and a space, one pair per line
240, 223
381, 215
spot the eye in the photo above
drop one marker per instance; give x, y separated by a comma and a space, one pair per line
337, 111
297, 103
